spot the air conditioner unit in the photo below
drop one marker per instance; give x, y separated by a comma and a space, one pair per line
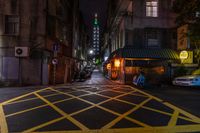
21, 51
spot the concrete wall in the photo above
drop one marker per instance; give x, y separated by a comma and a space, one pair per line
27, 70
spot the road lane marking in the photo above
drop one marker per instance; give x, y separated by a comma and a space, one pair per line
126, 117
112, 123
193, 117
3, 123
29, 99
43, 125
149, 95
77, 123
22, 96
172, 127
115, 98
148, 108
27, 110
41, 106
173, 119
189, 129
105, 109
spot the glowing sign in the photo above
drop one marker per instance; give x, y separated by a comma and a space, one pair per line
108, 66
183, 55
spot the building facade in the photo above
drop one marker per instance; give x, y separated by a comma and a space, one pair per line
146, 26
48, 29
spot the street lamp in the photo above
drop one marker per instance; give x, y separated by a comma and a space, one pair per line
91, 52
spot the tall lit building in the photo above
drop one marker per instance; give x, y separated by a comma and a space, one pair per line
96, 47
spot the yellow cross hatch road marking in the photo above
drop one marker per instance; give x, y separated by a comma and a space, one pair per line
80, 125
29, 99
3, 123
97, 105
173, 119
170, 127
183, 112
125, 114
43, 125
22, 96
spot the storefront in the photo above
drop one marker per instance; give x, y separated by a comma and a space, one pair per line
124, 64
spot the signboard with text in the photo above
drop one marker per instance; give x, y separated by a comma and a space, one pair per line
183, 40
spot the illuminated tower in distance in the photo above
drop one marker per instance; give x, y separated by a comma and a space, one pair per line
95, 46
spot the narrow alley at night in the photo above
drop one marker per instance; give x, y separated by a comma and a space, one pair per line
99, 66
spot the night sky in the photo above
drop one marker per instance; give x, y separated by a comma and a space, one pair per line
89, 8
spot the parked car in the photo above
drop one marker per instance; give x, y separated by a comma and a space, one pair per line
190, 80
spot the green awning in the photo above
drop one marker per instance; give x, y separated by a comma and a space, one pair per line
165, 54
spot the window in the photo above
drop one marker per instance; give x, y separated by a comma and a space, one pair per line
152, 8
152, 39
11, 24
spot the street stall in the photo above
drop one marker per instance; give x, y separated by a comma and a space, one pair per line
123, 64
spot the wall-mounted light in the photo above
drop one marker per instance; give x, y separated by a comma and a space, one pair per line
117, 63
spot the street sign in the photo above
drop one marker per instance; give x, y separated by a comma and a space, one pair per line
55, 61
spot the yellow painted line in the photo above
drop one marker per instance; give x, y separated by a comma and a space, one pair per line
31, 109
109, 125
80, 125
60, 101
156, 98
119, 115
3, 123
72, 96
173, 119
177, 129
138, 95
21, 96
19, 101
105, 109
193, 117
27, 110
77, 112
43, 125
29, 99
149, 108
110, 98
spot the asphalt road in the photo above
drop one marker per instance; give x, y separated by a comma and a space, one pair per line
187, 98
96, 105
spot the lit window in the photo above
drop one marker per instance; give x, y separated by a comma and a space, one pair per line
152, 8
